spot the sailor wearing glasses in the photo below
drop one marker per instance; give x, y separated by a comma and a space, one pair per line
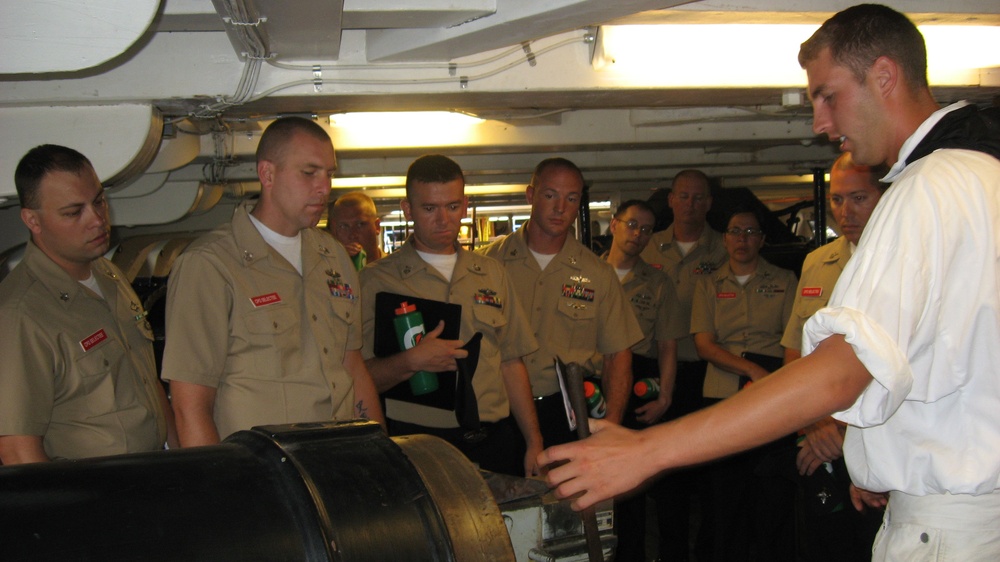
738, 316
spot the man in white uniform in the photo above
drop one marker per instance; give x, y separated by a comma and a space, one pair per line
907, 351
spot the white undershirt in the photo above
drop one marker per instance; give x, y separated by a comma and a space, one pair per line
542, 259
742, 279
685, 247
445, 263
622, 273
290, 247
91, 283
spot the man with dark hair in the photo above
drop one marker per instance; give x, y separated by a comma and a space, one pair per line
576, 305
353, 220
826, 532
432, 265
79, 378
654, 302
263, 319
906, 352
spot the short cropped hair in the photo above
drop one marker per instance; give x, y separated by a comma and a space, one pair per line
634, 203
276, 136
860, 34
873, 174
352, 200
432, 168
40, 161
556, 162
694, 174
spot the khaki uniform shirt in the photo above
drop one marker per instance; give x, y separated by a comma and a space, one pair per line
272, 342
654, 302
743, 318
820, 272
577, 306
489, 305
705, 257
77, 369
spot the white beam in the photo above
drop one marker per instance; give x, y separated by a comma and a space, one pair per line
515, 21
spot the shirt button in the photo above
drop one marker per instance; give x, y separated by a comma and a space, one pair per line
106, 363
314, 318
275, 325
326, 351
924, 538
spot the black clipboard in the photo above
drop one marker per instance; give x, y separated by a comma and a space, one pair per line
454, 391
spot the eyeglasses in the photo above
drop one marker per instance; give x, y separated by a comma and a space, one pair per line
745, 232
633, 225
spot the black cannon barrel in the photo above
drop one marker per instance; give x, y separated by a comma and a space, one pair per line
303, 492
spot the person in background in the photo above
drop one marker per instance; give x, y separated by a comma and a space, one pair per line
263, 322
432, 265
738, 315
574, 300
905, 353
353, 220
79, 378
688, 250
654, 302
829, 531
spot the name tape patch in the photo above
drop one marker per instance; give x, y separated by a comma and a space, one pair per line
92, 340
264, 300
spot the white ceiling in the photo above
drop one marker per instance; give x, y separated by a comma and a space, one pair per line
116, 68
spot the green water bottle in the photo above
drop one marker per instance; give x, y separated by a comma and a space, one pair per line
360, 260
595, 400
647, 389
409, 324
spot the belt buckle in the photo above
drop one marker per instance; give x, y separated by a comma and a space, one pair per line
474, 436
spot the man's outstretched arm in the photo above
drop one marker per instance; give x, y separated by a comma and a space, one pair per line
828, 380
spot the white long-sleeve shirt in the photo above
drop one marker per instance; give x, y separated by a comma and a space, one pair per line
920, 304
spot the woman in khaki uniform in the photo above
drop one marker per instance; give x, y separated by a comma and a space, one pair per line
739, 311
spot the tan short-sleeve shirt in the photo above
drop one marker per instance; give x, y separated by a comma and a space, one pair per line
576, 306
703, 259
654, 302
749, 317
820, 272
489, 305
78, 369
242, 320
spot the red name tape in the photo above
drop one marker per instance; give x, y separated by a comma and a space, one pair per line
90, 341
265, 300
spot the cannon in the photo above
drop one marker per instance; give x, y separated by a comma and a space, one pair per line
337, 491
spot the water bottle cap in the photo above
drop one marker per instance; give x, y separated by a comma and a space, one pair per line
641, 388
405, 308
588, 389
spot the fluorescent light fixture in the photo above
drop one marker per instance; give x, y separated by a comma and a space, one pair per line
369, 181
388, 129
735, 55
472, 189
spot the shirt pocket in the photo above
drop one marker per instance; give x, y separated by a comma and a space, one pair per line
97, 369
577, 317
344, 311
271, 332
488, 318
